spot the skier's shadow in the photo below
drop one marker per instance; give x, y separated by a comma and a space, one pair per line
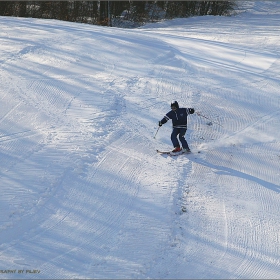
222, 170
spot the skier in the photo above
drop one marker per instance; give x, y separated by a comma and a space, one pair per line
179, 121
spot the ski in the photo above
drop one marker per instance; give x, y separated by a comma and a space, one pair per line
163, 152
172, 154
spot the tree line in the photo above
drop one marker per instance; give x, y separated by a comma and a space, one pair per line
113, 13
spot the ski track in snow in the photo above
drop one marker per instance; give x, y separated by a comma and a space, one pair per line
85, 195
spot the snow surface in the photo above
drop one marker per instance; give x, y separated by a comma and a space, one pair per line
83, 192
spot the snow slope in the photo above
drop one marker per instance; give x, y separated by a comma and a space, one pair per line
83, 192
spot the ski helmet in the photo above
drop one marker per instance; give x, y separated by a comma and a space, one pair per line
174, 104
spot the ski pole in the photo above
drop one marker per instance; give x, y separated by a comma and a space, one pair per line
156, 132
199, 114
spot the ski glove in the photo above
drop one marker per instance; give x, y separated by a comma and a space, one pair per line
159, 123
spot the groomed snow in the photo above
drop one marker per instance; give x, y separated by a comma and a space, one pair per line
84, 193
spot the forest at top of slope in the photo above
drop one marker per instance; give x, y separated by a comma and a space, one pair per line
115, 13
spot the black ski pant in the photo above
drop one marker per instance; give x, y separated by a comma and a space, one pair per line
174, 137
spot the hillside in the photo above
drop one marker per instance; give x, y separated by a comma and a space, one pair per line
84, 193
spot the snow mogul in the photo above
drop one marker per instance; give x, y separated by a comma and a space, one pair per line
179, 122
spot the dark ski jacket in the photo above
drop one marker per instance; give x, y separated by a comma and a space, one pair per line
178, 117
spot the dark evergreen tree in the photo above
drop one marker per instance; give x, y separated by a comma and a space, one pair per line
6, 8
22, 8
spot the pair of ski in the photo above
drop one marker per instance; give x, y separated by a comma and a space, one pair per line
173, 154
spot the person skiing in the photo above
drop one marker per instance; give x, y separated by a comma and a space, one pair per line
179, 122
